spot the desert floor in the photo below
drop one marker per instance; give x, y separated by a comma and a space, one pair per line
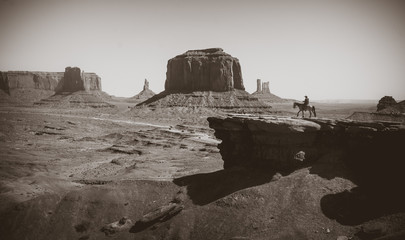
66, 173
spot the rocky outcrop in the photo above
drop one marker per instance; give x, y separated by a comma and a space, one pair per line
282, 143
78, 99
263, 93
378, 116
145, 94
27, 86
204, 70
236, 99
205, 78
388, 105
29, 80
385, 102
146, 85
75, 80
24, 86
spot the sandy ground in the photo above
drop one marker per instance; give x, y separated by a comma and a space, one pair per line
65, 173
43, 151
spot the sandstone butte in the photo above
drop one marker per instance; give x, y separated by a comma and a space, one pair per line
204, 70
263, 93
204, 78
32, 86
372, 150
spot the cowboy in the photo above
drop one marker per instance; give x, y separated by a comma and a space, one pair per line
306, 101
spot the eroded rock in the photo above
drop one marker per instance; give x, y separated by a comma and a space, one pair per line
160, 214
204, 70
74, 80
121, 225
283, 142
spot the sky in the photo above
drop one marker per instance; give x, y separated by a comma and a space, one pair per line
326, 49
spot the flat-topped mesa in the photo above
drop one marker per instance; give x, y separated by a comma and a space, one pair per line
204, 70
12, 80
369, 148
74, 80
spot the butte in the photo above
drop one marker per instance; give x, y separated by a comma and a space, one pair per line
78, 89
207, 78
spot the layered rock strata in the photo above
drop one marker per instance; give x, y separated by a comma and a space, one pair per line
24, 86
204, 70
204, 78
371, 149
74, 80
32, 86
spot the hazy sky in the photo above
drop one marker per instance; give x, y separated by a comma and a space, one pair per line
325, 49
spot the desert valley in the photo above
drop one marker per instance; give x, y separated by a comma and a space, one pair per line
204, 159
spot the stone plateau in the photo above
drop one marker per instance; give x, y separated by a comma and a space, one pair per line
280, 143
204, 70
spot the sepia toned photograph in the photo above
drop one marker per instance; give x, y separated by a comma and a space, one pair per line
202, 120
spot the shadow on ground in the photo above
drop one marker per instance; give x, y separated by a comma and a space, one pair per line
380, 185
208, 187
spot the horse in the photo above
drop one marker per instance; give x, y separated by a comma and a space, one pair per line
303, 108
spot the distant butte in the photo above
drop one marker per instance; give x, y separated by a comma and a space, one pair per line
74, 80
78, 89
145, 94
33, 86
263, 93
204, 78
204, 70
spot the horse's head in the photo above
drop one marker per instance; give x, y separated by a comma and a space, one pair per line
294, 105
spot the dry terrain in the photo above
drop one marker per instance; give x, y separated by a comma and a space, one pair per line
68, 173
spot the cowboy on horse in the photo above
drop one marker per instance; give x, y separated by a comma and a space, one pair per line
305, 107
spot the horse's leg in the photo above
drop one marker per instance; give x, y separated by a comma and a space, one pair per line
298, 112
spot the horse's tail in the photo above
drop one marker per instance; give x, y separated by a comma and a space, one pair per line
313, 109
294, 104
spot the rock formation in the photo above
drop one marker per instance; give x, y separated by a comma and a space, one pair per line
388, 105
146, 85
385, 102
277, 142
263, 93
26, 86
145, 94
75, 80
204, 70
259, 86
78, 89
204, 78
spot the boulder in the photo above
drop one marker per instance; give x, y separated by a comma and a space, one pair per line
157, 215
123, 224
204, 70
